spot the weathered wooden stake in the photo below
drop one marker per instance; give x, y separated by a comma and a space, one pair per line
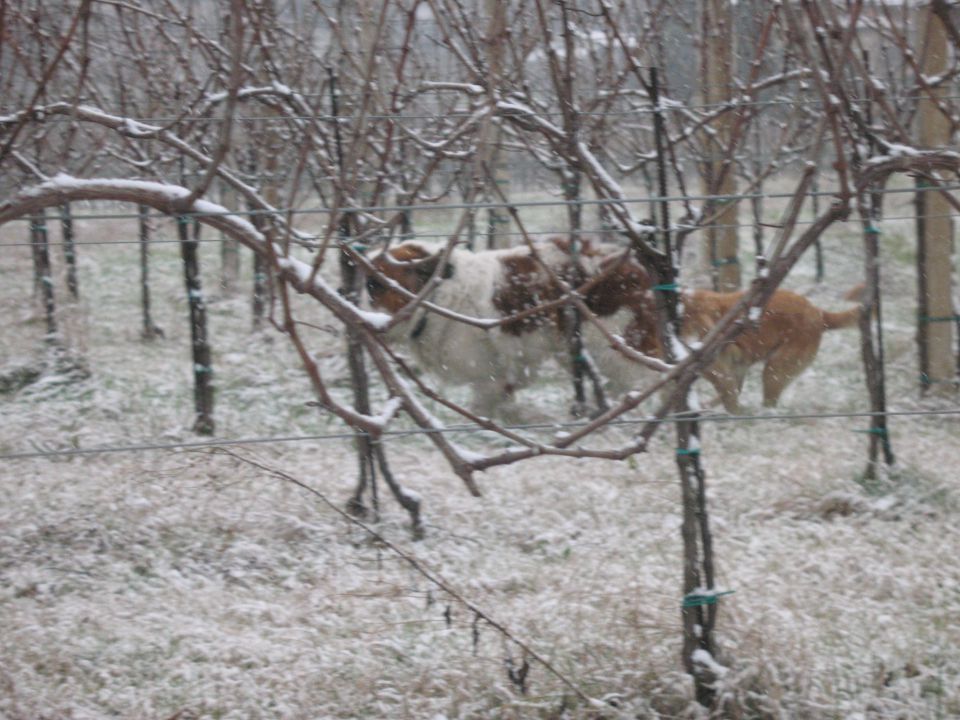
718, 175
229, 247
937, 316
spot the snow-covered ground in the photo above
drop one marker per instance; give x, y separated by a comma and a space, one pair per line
162, 584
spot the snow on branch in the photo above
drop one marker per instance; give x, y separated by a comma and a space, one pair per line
169, 199
467, 88
138, 130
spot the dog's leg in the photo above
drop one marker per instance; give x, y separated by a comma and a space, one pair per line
726, 374
741, 374
725, 384
490, 398
783, 367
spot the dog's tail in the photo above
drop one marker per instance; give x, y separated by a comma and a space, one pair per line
845, 318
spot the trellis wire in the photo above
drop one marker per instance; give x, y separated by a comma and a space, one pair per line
464, 429
518, 204
438, 235
731, 105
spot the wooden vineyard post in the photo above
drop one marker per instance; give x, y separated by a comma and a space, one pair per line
936, 315
718, 175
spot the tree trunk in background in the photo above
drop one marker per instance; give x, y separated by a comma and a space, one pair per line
150, 329
259, 300
498, 220
873, 355
260, 275
818, 245
43, 273
229, 247
938, 367
202, 365
69, 251
718, 177
406, 216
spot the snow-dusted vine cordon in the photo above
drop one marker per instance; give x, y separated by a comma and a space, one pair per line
169, 199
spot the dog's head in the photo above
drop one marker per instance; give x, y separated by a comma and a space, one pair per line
409, 265
623, 284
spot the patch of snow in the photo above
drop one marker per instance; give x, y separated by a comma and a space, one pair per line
704, 658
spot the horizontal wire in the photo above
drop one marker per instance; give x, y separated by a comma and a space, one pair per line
434, 236
465, 429
164, 120
501, 205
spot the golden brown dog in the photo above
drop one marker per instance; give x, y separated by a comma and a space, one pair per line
785, 339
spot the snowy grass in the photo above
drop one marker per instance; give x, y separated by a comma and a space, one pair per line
186, 584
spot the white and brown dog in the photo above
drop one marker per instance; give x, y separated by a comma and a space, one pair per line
500, 284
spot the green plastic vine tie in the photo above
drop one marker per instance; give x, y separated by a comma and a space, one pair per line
726, 261
700, 599
873, 431
927, 380
667, 287
684, 452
